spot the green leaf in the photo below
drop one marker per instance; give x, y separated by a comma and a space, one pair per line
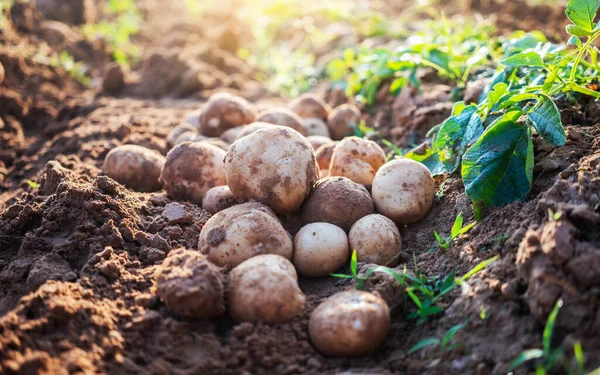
551, 78
465, 229
525, 356
450, 334
426, 311
457, 225
478, 268
525, 58
583, 12
342, 276
456, 135
578, 31
399, 278
458, 107
397, 85
33, 184
578, 351
498, 91
353, 263
574, 41
498, 168
423, 343
428, 157
546, 119
449, 282
437, 237
549, 328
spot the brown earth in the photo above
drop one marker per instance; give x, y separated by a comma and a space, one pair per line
78, 255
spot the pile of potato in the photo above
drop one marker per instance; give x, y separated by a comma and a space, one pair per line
250, 169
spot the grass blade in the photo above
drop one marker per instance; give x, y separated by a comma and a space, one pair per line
479, 267
550, 327
457, 225
423, 343
525, 356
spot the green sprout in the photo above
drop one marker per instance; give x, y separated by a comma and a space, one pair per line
33, 184
456, 231
446, 344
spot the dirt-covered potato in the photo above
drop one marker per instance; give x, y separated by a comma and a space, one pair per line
318, 140
320, 249
315, 126
217, 199
218, 142
337, 200
189, 137
376, 239
310, 106
190, 285
193, 118
136, 167
251, 128
343, 120
264, 288
358, 159
349, 324
231, 135
191, 169
275, 166
179, 130
283, 117
403, 190
225, 111
238, 233
324, 154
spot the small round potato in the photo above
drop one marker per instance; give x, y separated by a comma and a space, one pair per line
355, 169
358, 159
251, 128
177, 131
310, 106
376, 239
315, 126
191, 169
403, 190
189, 137
337, 200
190, 285
218, 142
324, 154
264, 288
275, 166
217, 199
349, 324
318, 140
283, 117
193, 118
225, 111
136, 167
343, 120
320, 249
239, 233
231, 135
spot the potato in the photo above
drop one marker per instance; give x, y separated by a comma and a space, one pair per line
275, 166
283, 117
358, 159
318, 140
239, 233
2, 73
231, 135
217, 199
376, 239
217, 142
338, 201
349, 324
320, 249
189, 137
323, 173
191, 169
310, 106
264, 288
315, 126
225, 111
324, 154
179, 130
343, 120
190, 285
193, 118
403, 190
136, 167
251, 128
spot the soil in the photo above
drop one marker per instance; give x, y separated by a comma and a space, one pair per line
79, 253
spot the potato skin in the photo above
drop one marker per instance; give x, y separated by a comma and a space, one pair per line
136, 167
338, 201
224, 111
320, 249
251, 128
357, 170
264, 288
191, 169
190, 285
283, 117
358, 159
217, 199
274, 166
403, 190
315, 126
317, 141
231, 135
324, 154
310, 105
189, 137
239, 233
343, 120
177, 131
376, 239
349, 324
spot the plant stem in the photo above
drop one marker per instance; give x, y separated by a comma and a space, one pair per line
580, 55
